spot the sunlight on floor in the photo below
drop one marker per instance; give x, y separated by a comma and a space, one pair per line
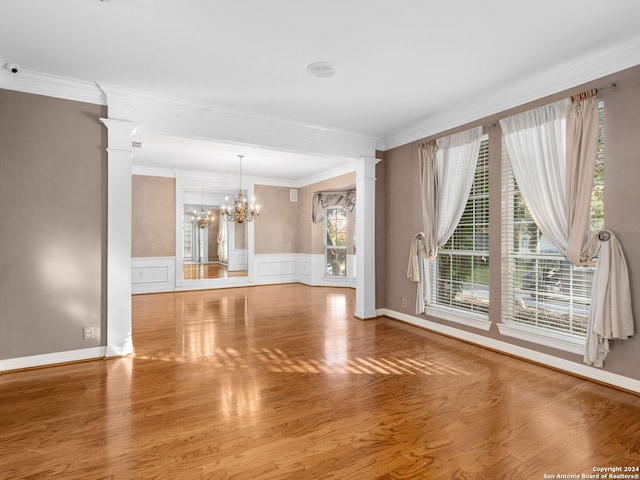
278, 361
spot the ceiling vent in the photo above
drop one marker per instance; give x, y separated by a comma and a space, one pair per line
321, 69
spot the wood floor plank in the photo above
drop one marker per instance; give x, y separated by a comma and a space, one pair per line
281, 382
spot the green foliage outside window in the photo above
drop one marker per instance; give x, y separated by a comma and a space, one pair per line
336, 241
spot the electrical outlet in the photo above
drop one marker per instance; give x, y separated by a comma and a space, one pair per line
404, 303
87, 333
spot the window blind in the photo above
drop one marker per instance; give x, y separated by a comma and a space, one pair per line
461, 279
540, 287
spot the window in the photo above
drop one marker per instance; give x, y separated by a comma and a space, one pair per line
541, 289
335, 245
461, 269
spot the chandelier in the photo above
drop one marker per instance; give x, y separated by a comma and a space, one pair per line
240, 212
204, 219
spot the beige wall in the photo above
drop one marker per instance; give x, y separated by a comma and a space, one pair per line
276, 231
283, 226
53, 202
622, 196
153, 216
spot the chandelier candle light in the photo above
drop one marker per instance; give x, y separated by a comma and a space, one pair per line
203, 220
239, 212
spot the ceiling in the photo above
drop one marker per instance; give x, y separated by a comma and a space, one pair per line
398, 63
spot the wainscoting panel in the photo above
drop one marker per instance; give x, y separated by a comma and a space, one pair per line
311, 271
158, 274
237, 259
153, 274
274, 268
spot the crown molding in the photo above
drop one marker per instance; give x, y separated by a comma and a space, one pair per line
37, 83
589, 67
181, 117
326, 175
150, 99
231, 179
224, 179
152, 171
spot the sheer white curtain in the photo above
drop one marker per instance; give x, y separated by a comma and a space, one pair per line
222, 239
536, 142
446, 175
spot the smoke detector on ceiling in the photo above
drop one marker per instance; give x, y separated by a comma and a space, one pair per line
321, 69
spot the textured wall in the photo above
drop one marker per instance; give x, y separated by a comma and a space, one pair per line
53, 205
153, 216
277, 229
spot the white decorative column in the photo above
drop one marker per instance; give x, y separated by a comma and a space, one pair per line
365, 238
119, 340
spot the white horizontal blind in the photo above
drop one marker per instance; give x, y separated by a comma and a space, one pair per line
540, 286
461, 279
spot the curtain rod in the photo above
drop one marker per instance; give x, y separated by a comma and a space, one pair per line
612, 86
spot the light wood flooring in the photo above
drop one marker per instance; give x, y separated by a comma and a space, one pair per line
281, 382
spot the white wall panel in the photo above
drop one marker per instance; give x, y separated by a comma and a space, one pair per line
153, 274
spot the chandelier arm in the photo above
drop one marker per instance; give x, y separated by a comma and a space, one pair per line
241, 211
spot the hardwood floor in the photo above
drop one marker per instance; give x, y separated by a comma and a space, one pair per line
281, 382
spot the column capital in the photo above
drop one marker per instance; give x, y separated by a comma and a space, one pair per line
365, 162
369, 160
119, 133
366, 167
112, 123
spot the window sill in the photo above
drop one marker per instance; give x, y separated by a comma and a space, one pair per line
474, 320
558, 340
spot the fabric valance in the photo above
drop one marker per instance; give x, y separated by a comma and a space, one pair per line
321, 200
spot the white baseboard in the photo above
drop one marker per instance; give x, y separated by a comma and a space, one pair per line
52, 358
568, 366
